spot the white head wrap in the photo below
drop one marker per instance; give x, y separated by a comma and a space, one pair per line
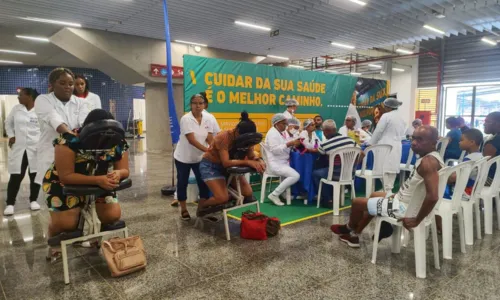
278, 118
291, 102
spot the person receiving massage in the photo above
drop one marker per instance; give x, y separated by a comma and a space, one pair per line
310, 140
71, 167
216, 160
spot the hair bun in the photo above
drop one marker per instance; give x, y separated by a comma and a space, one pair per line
244, 116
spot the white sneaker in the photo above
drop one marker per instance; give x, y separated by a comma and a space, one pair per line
275, 199
9, 210
34, 206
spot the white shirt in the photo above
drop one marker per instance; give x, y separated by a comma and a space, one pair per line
213, 120
309, 143
364, 136
288, 115
276, 149
343, 130
51, 113
22, 124
185, 152
92, 101
352, 111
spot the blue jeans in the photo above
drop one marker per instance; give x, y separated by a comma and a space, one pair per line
326, 189
183, 171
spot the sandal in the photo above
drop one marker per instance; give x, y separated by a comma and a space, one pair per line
174, 203
185, 216
54, 254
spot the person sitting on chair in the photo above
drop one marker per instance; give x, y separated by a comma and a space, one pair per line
309, 137
453, 150
422, 187
71, 167
292, 131
216, 160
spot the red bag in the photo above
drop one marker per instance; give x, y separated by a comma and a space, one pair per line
253, 226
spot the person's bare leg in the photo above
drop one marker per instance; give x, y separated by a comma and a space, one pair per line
358, 209
62, 221
219, 190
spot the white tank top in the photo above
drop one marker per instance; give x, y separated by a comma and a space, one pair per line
412, 192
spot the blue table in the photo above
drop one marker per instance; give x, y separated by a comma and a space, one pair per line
304, 165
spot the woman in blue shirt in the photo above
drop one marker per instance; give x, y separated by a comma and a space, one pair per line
453, 150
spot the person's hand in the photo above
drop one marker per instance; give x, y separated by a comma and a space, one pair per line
12, 141
106, 182
293, 143
115, 175
312, 150
410, 223
257, 165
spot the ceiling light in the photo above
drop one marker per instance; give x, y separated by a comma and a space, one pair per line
296, 66
488, 41
434, 29
404, 51
252, 25
17, 52
190, 43
382, 72
53, 22
398, 69
375, 66
358, 2
10, 62
33, 38
356, 74
341, 60
331, 71
278, 57
342, 45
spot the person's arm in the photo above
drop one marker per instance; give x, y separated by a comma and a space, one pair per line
228, 163
192, 140
9, 124
379, 130
210, 139
428, 169
121, 166
275, 143
47, 113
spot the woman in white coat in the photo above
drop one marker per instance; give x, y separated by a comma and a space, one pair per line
23, 131
82, 90
291, 108
277, 149
58, 112
390, 131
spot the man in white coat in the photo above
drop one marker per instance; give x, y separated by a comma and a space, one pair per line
390, 131
291, 108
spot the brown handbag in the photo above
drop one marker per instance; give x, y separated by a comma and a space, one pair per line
124, 256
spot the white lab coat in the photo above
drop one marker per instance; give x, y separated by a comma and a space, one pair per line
364, 136
288, 115
23, 125
277, 151
92, 101
51, 113
352, 111
309, 143
390, 131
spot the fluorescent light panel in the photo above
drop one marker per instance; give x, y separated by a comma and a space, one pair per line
382, 72
296, 66
17, 52
356, 74
331, 71
375, 66
398, 69
278, 57
10, 62
488, 41
341, 60
404, 51
252, 25
358, 2
33, 38
342, 45
64, 23
434, 29
190, 43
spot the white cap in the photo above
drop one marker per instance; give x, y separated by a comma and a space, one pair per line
308, 122
291, 102
278, 118
392, 103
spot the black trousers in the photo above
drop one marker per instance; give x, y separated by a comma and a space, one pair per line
15, 183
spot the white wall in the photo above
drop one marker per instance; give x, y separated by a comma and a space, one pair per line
7, 102
405, 85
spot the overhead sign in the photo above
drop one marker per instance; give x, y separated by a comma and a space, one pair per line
161, 71
425, 101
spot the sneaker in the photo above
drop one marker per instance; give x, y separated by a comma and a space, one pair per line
340, 229
9, 210
275, 199
351, 240
34, 206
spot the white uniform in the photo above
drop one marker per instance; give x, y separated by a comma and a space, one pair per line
390, 131
51, 113
213, 121
185, 152
364, 136
309, 143
92, 101
288, 115
23, 125
352, 111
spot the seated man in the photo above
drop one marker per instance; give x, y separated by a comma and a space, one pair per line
334, 141
414, 201
350, 130
71, 167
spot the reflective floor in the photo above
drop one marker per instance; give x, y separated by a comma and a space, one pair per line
304, 262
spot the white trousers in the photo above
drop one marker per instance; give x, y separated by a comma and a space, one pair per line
285, 171
389, 179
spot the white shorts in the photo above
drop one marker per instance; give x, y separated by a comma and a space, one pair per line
386, 207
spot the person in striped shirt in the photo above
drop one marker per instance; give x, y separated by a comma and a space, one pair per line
333, 141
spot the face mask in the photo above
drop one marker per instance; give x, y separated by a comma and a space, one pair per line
291, 111
293, 131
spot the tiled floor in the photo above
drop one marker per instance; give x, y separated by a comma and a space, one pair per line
303, 262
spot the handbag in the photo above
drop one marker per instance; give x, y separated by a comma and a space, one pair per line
257, 226
124, 255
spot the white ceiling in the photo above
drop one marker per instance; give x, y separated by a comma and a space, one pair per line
306, 26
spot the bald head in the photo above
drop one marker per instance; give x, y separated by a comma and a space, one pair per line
424, 140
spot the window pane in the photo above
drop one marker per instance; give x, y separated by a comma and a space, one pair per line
487, 100
458, 101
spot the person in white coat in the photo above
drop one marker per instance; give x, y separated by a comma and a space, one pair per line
364, 133
291, 108
277, 149
58, 112
23, 131
309, 138
82, 90
390, 131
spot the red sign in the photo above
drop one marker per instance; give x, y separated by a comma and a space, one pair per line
161, 71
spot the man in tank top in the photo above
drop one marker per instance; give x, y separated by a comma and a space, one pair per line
415, 199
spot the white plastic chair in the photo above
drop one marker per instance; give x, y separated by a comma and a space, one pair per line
446, 208
452, 161
406, 167
419, 233
473, 204
348, 157
490, 193
267, 176
380, 154
441, 146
